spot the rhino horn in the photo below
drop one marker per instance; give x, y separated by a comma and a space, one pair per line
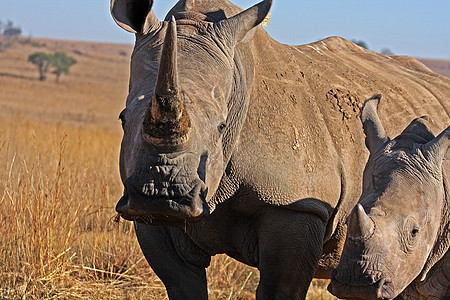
166, 116
373, 128
359, 223
135, 16
240, 25
167, 83
438, 147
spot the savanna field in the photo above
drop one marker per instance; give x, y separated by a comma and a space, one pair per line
59, 183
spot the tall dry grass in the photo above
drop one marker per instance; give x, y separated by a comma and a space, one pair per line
59, 186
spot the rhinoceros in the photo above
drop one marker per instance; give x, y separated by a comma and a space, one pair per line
234, 143
398, 234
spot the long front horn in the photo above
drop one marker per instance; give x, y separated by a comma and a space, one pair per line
166, 117
167, 84
373, 128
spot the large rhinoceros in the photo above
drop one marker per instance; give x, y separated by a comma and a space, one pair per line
234, 143
399, 232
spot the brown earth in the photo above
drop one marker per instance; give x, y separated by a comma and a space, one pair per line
93, 93
59, 182
440, 66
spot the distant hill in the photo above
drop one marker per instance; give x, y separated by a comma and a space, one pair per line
440, 66
92, 94
94, 91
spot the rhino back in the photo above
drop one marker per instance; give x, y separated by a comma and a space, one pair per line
302, 137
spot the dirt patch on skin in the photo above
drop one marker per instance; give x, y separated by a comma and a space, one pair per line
347, 104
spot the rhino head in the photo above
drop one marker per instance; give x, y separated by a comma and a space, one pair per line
393, 229
177, 122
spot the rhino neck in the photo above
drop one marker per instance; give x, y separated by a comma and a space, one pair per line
441, 246
407, 141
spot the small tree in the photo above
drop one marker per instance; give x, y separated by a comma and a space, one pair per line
11, 30
361, 43
387, 51
62, 63
8, 34
42, 60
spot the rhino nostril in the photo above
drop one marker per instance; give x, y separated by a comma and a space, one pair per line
123, 202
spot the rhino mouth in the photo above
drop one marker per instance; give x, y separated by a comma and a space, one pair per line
169, 204
381, 289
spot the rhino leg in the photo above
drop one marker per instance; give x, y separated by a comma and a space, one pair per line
290, 245
182, 279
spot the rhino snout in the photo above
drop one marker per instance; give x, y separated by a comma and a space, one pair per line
170, 203
361, 277
382, 289
385, 289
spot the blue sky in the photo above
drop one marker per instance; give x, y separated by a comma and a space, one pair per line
417, 28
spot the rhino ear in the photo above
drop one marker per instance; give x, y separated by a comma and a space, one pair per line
375, 135
239, 27
134, 15
438, 147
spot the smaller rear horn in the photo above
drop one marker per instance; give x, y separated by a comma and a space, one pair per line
359, 223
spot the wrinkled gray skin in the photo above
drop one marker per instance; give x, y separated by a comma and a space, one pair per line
398, 233
234, 143
213, 88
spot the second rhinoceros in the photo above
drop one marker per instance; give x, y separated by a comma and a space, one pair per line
398, 234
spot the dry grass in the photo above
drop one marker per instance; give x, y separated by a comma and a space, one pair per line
58, 237
59, 184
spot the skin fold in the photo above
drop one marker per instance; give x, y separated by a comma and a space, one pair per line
397, 235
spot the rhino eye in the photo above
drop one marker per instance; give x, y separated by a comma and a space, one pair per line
222, 127
380, 181
409, 234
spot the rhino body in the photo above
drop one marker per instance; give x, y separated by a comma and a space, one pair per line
398, 234
234, 143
